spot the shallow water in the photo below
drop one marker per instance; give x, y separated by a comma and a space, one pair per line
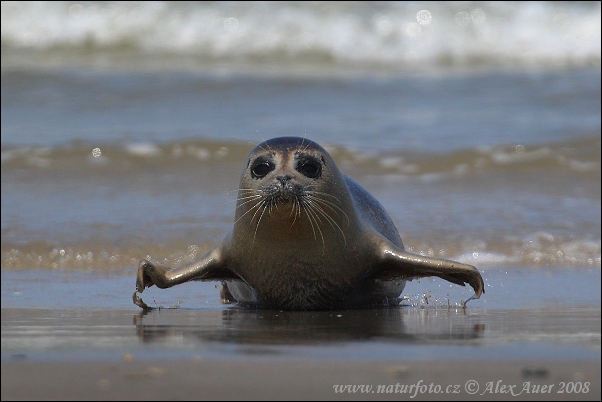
547, 314
502, 168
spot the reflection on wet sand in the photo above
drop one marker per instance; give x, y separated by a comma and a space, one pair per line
248, 326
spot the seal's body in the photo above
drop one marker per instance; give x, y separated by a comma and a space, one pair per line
306, 237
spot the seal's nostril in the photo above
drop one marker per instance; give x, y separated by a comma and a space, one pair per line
284, 178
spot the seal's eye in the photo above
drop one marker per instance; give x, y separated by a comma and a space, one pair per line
309, 167
261, 167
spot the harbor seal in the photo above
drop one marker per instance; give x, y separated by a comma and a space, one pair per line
306, 237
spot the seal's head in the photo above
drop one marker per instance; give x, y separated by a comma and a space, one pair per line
292, 185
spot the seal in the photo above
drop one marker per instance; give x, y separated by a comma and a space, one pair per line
306, 237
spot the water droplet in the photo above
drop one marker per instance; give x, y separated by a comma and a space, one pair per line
424, 17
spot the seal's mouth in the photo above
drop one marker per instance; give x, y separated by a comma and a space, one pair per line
283, 193
304, 210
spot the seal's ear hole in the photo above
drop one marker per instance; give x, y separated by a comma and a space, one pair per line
261, 167
310, 167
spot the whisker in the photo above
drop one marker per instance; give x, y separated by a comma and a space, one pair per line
258, 222
310, 222
251, 199
269, 149
260, 205
238, 190
329, 219
249, 192
244, 192
306, 146
333, 206
257, 205
322, 193
296, 211
313, 216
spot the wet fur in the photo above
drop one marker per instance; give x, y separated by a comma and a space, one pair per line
306, 237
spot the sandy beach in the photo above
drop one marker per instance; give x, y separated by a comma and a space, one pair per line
262, 379
95, 344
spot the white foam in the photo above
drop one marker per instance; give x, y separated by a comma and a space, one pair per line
394, 34
584, 166
503, 157
143, 149
484, 257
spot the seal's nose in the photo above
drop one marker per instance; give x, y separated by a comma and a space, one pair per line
284, 178
285, 187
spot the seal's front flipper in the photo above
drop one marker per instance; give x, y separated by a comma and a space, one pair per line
397, 263
210, 267
151, 273
139, 302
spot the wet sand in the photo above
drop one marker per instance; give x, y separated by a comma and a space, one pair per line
260, 379
76, 335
